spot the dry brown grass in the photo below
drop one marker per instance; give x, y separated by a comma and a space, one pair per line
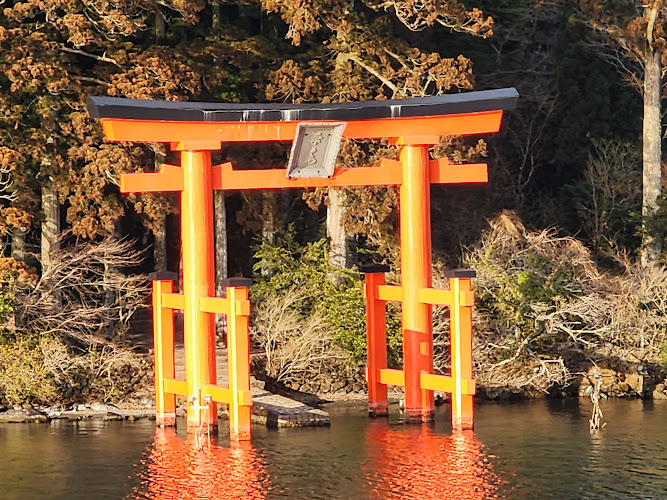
296, 348
85, 295
68, 331
544, 310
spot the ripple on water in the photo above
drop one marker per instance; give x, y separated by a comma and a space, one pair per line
539, 449
176, 469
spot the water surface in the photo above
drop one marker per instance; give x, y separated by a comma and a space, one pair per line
534, 449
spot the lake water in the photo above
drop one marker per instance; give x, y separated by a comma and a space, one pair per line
534, 449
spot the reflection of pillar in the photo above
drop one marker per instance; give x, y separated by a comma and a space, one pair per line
415, 224
176, 469
198, 282
416, 463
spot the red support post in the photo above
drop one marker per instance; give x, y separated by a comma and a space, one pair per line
415, 222
238, 349
198, 282
376, 345
163, 346
461, 352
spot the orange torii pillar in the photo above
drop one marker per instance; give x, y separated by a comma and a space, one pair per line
413, 125
459, 384
194, 180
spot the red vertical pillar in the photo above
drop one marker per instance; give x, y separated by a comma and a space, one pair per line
415, 220
376, 341
238, 346
163, 347
461, 348
198, 282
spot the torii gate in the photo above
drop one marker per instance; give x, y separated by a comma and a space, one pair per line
412, 125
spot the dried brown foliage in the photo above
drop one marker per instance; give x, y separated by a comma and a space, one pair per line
18, 273
306, 17
544, 310
290, 83
154, 76
626, 32
55, 54
364, 61
419, 14
296, 349
84, 296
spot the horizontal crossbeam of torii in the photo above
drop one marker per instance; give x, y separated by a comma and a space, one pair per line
412, 125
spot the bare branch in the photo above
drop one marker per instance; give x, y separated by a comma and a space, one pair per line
355, 58
70, 298
88, 54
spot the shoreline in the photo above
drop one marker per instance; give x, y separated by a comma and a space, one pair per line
132, 412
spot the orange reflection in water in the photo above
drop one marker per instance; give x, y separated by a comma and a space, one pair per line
177, 470
413, 462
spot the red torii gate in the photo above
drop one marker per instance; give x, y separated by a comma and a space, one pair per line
412, 125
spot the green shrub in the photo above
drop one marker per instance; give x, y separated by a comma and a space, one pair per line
7, 293
334, 294
663, 355
24, 375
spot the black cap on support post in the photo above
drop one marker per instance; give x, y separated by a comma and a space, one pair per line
461, 273
237, 282
163, 276
374, 268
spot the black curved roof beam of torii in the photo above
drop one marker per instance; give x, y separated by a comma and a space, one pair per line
180, 111
196, 126
134, 120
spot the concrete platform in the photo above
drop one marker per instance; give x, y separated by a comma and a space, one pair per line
273, 410
278, 411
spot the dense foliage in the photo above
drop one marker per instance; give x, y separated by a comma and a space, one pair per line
567, 157
324, 291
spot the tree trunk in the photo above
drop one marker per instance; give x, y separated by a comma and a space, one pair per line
18, 254
216, 16
160, 25
110, 290
220, 222
160, 244
50, 238
18, 245
652, 154
338, 251
160, 233
269, 223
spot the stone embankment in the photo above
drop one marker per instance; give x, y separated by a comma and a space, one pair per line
615, 384
328, 384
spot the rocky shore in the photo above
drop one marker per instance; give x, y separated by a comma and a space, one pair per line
617, 381
26, 413
297, 405
272, 410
